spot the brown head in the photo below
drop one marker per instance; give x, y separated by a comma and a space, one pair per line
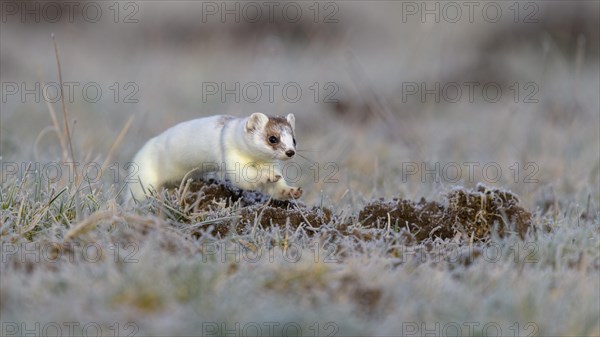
272, 136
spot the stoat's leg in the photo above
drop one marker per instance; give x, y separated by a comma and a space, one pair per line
291, 192
282, 191
247, 178
270, 174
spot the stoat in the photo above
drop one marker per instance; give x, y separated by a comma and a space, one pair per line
246, 151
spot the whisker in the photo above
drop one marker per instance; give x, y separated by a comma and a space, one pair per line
305, 158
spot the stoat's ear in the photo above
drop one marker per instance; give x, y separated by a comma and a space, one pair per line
256, 121
292, 120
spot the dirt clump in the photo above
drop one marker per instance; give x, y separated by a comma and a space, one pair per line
477, 212
421, 220
466, 213
251, 207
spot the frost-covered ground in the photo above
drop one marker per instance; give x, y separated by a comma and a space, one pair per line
518, 110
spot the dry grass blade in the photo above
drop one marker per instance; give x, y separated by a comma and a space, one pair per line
62, 100
56, 125
116, 144
86, 224
41, 135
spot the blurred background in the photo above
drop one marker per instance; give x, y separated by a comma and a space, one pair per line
392, 98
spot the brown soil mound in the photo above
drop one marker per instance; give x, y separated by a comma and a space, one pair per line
470, 213
422, 220
254, 207
467, 213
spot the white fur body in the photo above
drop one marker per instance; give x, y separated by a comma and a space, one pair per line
232, 147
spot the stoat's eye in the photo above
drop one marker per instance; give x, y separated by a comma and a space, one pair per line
273, 140
294, 141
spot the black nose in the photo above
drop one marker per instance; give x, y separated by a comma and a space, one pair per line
290, 153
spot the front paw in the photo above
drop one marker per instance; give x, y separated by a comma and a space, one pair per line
292, 192
273, 178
